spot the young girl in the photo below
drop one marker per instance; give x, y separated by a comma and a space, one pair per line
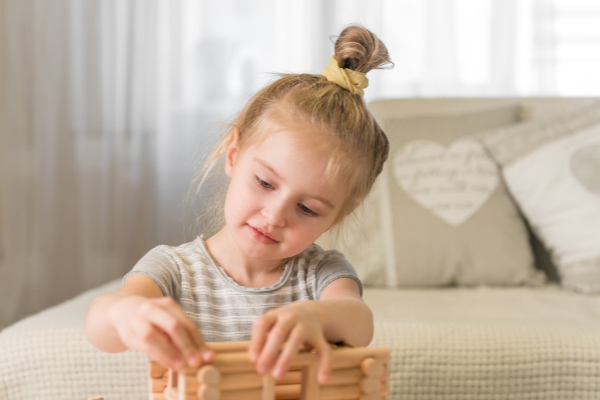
300, 157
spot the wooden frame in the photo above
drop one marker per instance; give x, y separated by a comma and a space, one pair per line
357, 373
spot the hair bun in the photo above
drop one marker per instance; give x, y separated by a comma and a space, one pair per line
358, 49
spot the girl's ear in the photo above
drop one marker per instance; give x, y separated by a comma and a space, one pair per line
232, 151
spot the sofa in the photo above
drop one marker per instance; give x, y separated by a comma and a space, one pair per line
478, 248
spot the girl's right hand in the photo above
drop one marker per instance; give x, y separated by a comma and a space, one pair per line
161, 329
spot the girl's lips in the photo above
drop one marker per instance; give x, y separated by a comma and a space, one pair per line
260, 236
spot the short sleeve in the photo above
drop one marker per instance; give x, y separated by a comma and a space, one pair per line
160, 265
334, 266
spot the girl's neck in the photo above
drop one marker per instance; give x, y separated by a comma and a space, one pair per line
242, 269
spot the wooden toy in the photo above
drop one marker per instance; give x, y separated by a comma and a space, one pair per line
357, 373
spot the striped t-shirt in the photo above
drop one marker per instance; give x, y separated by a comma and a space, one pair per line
224, 310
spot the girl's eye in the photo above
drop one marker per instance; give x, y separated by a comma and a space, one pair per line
264, 184
307, 210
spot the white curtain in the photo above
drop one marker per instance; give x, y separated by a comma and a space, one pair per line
78, 146
107, 107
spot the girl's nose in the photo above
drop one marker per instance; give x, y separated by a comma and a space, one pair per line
275, 214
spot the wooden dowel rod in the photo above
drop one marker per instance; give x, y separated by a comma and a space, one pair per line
233, 362
346, 358
371, 396
228, 347
344, 377
268, 387
240, 362
249, 394
284, 392
385, 389
187, 383
288, 392
370, 385
251, 380
291, 377
309, 387
157, 385
170, 393
339, 392
240, 381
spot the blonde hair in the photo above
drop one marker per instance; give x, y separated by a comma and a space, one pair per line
361, 147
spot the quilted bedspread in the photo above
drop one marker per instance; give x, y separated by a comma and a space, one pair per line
454, 343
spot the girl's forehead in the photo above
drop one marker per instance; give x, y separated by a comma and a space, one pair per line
298, 156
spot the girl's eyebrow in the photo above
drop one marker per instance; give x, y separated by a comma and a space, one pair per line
267, 166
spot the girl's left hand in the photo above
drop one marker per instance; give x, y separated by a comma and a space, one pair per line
281, 333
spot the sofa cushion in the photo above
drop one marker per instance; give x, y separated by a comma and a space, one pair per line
440, 214
551, 168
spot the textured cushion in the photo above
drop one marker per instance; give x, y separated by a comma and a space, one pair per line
439, 213
551, 167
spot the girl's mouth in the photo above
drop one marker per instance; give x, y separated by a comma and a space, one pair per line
260, 236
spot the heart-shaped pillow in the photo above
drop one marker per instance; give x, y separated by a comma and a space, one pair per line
451, 182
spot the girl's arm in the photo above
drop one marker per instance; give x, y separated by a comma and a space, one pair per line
340, 315
138, 316
346, 317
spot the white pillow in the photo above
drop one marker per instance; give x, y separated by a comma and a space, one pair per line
552, 169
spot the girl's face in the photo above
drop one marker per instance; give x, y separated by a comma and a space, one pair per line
279, 201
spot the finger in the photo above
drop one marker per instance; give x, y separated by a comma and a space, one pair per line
200, 347
165, 317
260, 329
276, 336
289, 352
325, 356
156, 345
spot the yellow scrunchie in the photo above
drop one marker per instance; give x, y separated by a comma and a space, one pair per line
351, 80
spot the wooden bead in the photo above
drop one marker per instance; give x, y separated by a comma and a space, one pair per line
371, 367
209, 375
206, 392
